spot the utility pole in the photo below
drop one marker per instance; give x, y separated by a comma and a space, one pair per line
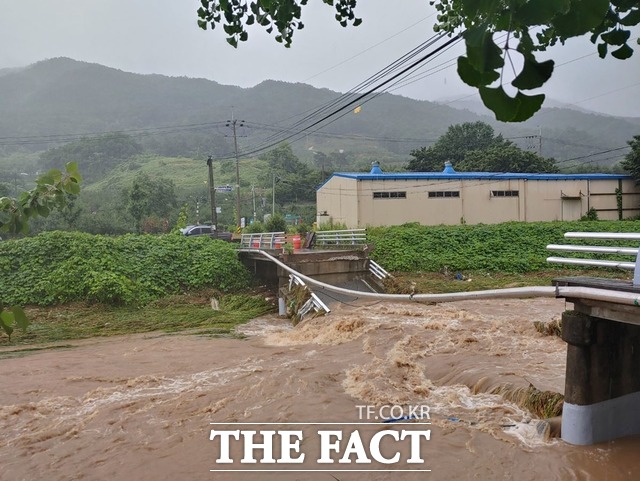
233, 123
540, 141
253, 191
273, 196
212, 194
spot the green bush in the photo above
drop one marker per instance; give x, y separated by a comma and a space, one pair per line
276, 223
510, 247
58, 267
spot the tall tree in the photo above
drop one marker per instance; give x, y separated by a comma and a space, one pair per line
631, 162
607, 22
296, 181
454, 145
150, 197
474, 147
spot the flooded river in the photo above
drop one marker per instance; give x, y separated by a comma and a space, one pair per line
139, 407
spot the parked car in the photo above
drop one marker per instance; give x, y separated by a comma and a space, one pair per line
193, 230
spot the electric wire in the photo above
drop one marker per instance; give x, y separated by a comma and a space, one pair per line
344, 101
353, 101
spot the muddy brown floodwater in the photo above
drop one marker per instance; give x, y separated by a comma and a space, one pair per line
139, 407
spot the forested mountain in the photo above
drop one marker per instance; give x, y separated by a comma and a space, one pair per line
183, 116
141, 142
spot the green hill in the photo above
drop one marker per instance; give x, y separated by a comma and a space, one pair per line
44, 103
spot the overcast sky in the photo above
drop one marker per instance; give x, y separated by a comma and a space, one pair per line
161, 36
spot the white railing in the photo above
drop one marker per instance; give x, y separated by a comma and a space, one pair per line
314, 303
263, 240
348, 237
377, 270
625, 251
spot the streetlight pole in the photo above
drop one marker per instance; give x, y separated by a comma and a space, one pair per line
212, 194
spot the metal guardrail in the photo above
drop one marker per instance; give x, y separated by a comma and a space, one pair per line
625, 251
314, 303
378, 271
348, 237
263, 240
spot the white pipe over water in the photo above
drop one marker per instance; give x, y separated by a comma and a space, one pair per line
605, 295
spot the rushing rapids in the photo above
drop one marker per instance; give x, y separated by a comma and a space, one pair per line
139, 407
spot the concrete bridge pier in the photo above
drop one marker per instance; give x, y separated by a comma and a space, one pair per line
602, 387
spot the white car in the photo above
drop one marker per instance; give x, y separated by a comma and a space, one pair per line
192, 230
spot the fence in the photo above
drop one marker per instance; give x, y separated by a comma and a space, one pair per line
349, 237
263, 240
624, 251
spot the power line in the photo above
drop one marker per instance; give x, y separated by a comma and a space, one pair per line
351, 99
344, 100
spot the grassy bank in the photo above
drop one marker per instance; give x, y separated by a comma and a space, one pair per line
187, 312
445, 282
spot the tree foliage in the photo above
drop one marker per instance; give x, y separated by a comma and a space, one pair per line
454, 145
474, 147
481, 23
295, 181
51, 192
150, 199
506, 158
631, 162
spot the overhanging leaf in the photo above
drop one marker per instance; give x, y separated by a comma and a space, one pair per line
510, 109
471, 7
623, 52
534, 74
602, 50
616, 37
529, 105
583, 16
540, 12
472, 77
631, 19
483, 54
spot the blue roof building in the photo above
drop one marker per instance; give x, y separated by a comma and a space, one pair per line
375, 198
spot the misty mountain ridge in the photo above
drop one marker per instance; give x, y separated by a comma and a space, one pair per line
476, 106
62, 96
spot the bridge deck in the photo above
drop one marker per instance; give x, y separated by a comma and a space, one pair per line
597, 283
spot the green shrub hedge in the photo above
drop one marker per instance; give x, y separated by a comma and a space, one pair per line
59, 267
510, 247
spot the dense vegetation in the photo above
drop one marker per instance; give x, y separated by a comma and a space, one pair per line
51, 192
474, 147
59, 267
512, 247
